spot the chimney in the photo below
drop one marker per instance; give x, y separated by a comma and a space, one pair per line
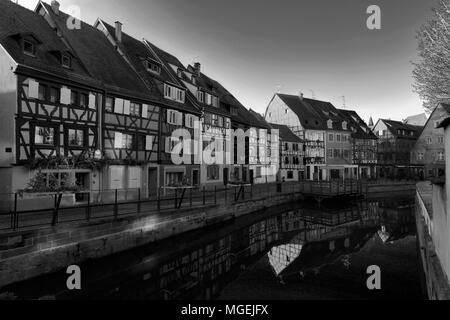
197, 68
55, 7
119, 31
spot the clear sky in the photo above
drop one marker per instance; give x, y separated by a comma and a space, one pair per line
257, 47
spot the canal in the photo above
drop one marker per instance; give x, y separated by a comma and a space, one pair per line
305, 252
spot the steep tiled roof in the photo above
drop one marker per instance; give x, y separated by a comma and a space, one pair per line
137, 52
360, 128
101, 59
418, 120
394, 126
16, 22
285, 133
259, 119
314, 114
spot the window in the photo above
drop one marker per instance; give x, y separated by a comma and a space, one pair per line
73, 97
441, 140
135, 109
109, 104
215, 120
290, 175
215, 101
152, 67
42, 94
44, 136
420, 156
212, 172
330, 153
190, 120
201, 96
258, 172
66, 61
29, 48
330, 137
174, 117
84, 100
429, 140
440, 156
286, 146
338, 138
330, 124
346, 154
149, 142
123, 141
174, 93
54, 95
234, 111
227, 123
76, 138
220, 123
344, 125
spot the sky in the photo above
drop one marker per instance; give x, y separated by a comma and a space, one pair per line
256, 48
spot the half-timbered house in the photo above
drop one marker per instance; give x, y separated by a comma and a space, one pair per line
177, 112
50, 107
130, 114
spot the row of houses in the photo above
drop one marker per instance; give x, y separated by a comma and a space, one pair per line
93, 108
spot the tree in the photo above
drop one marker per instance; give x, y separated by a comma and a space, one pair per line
432, 72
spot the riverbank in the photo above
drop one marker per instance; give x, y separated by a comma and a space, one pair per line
27, 254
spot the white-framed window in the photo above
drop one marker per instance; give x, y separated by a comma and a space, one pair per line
440, 156
215, 101
174, 93
344, 125
44, 136
190, 120
330, 124
227, 123
440, 139
174, 117
331, 137
123, 141
208, 99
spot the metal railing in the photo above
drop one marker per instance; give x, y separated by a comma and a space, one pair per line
21, 211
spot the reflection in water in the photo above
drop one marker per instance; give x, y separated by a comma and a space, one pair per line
208, 264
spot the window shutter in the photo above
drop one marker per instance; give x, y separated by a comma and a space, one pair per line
92, 102
126, 107
179, 118
168, 116
33, 89
118, 140
65, 95
118, 105
149, 143
144, 111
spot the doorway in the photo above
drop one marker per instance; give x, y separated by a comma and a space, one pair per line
195, 178
152, 182
82, 181
225, 176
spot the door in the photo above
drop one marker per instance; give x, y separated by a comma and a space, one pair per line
152, 182
195, 178
225, 176
82, 181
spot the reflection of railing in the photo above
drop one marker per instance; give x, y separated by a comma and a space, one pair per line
29, 211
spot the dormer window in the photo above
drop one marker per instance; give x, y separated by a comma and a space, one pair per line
344, 125
66, 61
179, 73
29, 48
330, 124
152, 67
194, 79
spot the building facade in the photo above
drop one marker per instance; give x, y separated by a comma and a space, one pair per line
291, 166
428, 154
395, 142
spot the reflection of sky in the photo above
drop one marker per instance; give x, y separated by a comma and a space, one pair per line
282, 256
